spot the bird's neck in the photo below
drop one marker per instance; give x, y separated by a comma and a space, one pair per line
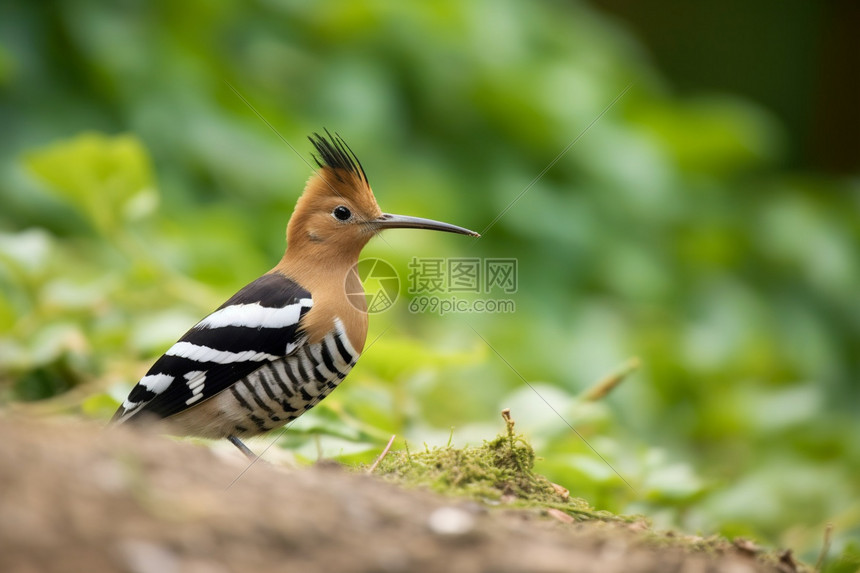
336, 290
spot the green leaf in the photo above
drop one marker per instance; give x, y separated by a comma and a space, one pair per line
717, 136
106, 178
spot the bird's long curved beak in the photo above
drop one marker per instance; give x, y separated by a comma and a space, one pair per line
389, 221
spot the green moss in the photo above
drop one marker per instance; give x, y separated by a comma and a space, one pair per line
501, 470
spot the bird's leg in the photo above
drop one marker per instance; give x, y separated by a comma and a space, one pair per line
242, 447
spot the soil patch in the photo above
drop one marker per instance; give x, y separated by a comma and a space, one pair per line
74, 497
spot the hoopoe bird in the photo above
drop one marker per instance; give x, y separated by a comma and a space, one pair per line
286, 340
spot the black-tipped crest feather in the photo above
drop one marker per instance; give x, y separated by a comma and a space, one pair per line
336, 154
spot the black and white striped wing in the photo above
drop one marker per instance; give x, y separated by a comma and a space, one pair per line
259, 324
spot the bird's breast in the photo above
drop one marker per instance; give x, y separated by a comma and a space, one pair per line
336, 313
338, 297
277, 392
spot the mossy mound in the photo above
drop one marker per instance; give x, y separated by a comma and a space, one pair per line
500, 471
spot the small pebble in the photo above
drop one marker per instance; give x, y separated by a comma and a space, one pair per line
451, 521
559, 515
146, 557
562, 491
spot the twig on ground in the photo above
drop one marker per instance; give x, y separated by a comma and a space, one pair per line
825, 548
608, 383
382, 455
509, 422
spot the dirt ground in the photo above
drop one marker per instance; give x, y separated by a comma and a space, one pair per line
75, 498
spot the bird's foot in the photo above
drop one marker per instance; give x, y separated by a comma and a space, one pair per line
242, 447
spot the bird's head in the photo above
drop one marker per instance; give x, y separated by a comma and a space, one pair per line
337, 214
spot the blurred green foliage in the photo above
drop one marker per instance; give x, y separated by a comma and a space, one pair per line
138, 191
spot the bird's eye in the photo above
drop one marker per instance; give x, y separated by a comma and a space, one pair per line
341, 213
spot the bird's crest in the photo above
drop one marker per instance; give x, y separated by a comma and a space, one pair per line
336, 154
